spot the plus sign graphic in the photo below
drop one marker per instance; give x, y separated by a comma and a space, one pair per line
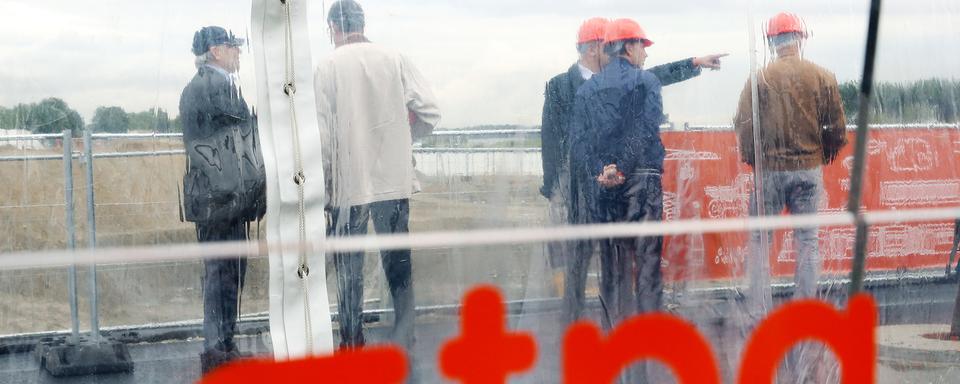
486, 352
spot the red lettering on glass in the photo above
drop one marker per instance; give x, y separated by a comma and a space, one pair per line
487, 353
368, 365
589, 359
850, 334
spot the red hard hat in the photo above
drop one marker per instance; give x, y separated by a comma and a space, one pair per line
785, 22
625, 29
592, 30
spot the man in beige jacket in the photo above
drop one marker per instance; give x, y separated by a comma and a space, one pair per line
372, 103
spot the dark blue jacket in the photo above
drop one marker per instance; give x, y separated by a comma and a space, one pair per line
225, 178
558, 113
616, 120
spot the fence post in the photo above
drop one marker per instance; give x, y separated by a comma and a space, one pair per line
71, 234
92, 235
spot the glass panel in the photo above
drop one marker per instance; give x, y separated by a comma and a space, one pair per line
503, 82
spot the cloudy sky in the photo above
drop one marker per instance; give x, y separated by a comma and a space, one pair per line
487, 60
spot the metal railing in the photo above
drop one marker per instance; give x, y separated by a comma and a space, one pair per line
86, 156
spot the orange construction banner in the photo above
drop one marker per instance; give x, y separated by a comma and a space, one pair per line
907, 168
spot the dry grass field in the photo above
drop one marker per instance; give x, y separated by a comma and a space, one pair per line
137, 204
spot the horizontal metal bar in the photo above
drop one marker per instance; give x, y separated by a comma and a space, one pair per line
38, 157
138, 154
474, 150
476, 132
420, 150
135, 203
908, 126
37, 136
706, 128
148, 135
174, 152
850, 127
31, 158
482, 132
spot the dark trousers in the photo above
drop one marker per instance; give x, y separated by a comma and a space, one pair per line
388, 217
632, 262
576, 267
630, 276
575, 279
222, 284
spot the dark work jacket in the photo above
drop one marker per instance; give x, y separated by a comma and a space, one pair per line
616, 120
225, 178
558, 113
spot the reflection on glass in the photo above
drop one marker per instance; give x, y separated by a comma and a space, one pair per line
496, 77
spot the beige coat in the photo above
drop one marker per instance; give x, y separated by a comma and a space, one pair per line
367, 96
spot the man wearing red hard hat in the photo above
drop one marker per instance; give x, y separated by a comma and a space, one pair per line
555, 129
617, 161
801, 127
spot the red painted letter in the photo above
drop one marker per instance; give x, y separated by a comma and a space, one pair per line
368, 365
850, 335
485, 352
588, 359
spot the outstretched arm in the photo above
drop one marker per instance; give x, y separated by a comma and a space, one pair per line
678, 71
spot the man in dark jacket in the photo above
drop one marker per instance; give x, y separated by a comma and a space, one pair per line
555, 130
618, 158
223, 188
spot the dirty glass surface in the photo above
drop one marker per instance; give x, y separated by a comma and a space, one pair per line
911, 164
471, 155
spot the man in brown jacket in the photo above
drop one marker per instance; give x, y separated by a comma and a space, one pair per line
801, 127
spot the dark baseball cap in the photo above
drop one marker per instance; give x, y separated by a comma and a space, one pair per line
210, 36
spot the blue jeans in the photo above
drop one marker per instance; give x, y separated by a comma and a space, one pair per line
391, 216
799, 192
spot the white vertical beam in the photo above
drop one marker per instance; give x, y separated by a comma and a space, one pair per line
288, 310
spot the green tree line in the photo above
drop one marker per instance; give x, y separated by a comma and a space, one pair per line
53, 115
116, 120
50, 115
924, 101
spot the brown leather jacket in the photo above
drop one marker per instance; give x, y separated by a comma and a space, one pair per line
801, 116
